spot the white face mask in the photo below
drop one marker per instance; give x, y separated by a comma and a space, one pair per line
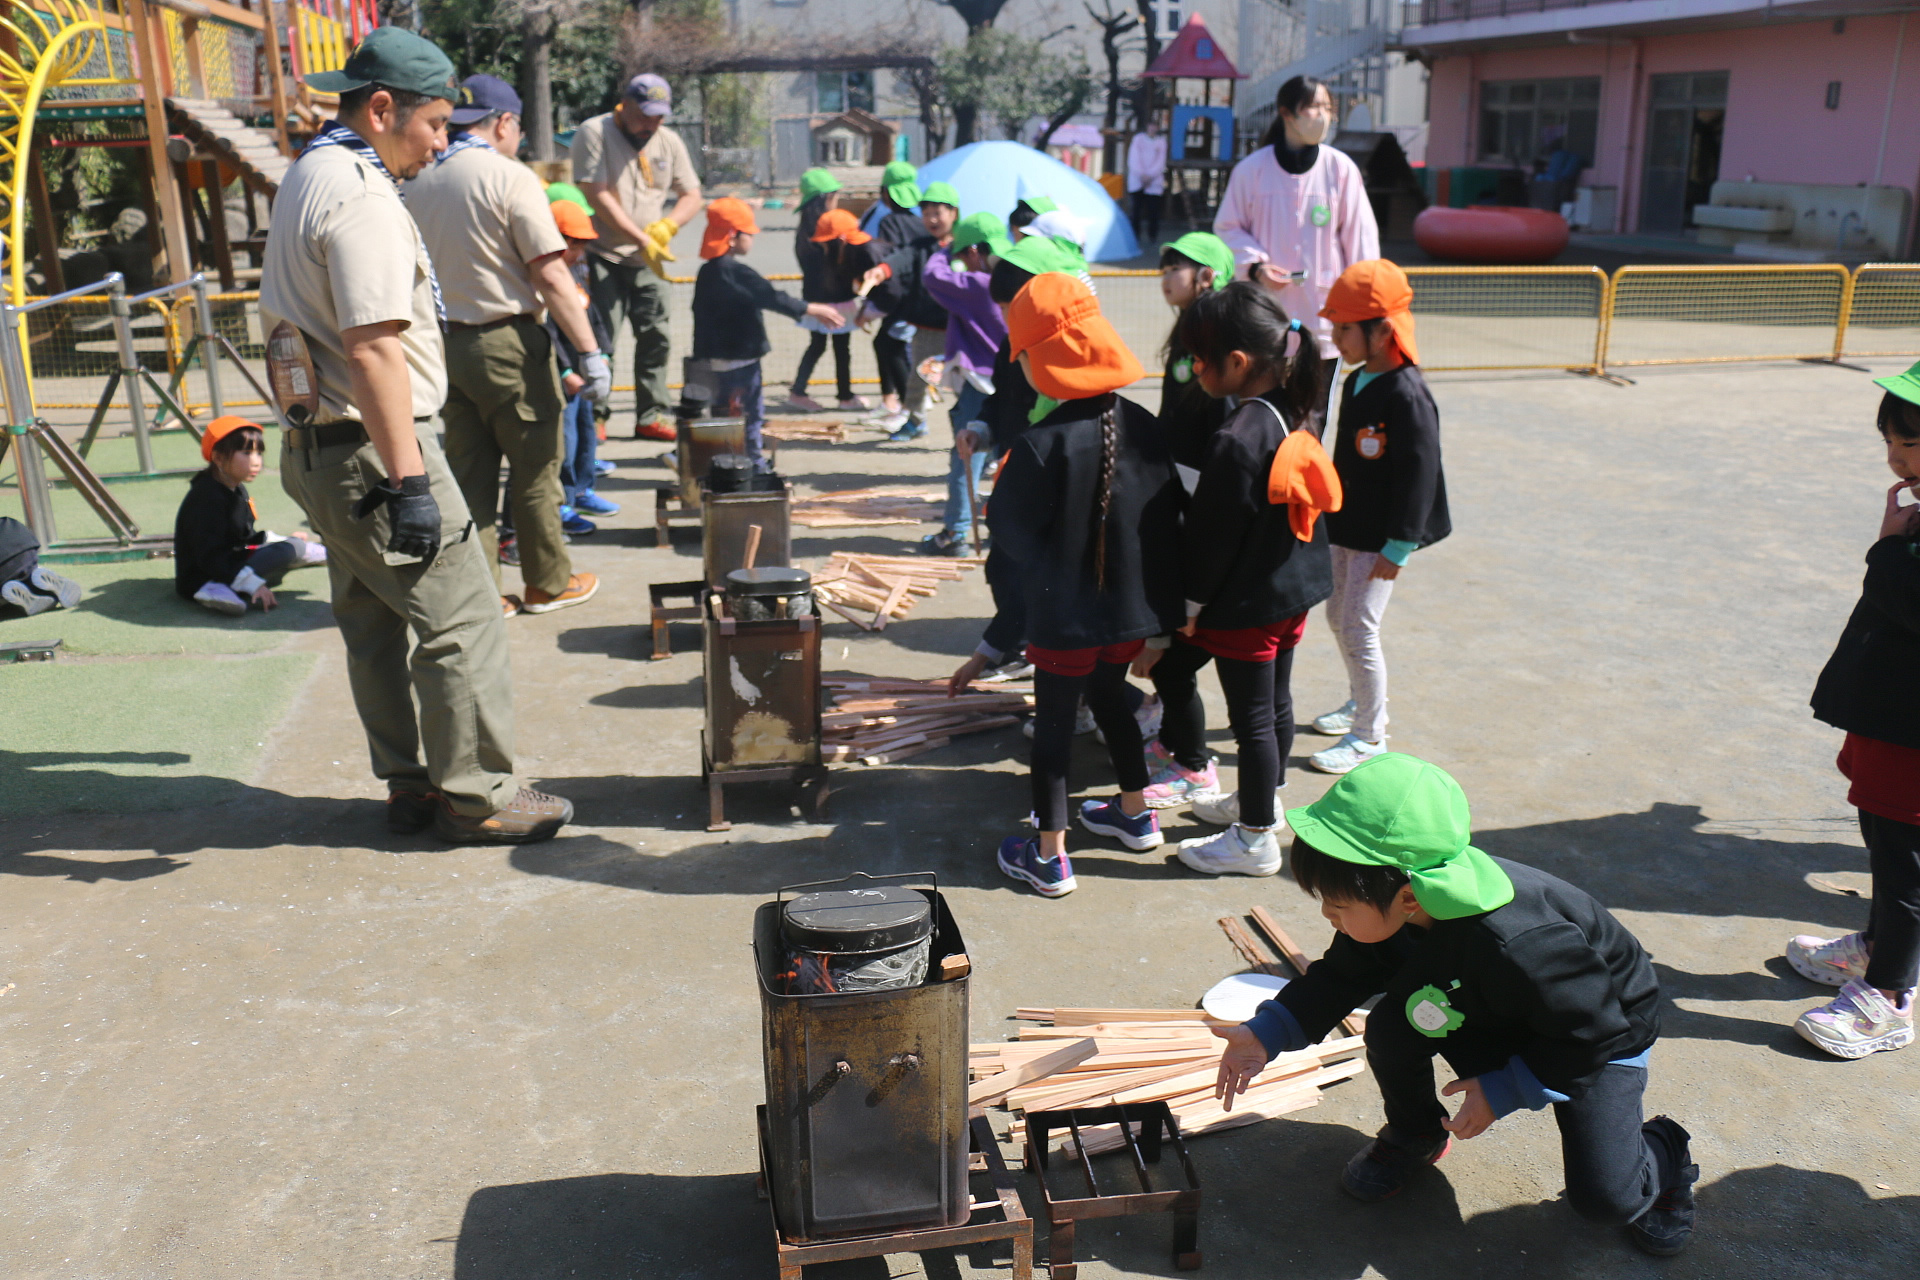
1311, 129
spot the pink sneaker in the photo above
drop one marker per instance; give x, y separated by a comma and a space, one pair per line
803, 404
1173, 786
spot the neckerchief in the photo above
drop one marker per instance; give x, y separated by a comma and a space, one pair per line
464, 142
338, 135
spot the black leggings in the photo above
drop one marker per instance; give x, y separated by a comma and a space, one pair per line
1259, 706
842, 363
895, 364
1893, 923
1056, 705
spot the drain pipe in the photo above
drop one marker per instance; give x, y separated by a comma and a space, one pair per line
1886, 118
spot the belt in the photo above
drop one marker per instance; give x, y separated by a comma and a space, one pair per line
454, 326
326, 435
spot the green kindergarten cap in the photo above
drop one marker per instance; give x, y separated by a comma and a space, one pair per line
817, 182
1038, 204
396, 58
901, 182
1041, 254
940, 193
568, 192
981, 228
1397, 810
1208, 250
1905, 385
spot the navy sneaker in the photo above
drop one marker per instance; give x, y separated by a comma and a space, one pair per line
943, 542
911, 429
1382, 1167
572, 522
1107, 818
1050, 877
604, 466
1664, 1229
595, 505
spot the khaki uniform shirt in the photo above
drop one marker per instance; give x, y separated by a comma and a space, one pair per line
484, 217
641, 180
342, 251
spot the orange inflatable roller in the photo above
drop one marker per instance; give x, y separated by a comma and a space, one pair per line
1496, 234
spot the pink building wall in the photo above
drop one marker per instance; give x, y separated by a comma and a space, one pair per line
1778, 128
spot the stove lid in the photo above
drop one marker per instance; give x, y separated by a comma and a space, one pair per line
844, 921
775, 580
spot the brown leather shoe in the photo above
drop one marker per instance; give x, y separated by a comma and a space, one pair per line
655, 430
410, 812
528, 817
510, 606
580, 589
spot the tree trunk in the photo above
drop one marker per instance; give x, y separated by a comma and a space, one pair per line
966, 119
536, 73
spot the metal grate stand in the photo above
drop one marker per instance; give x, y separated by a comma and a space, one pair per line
1156, 1124
664, 613
1013, 1224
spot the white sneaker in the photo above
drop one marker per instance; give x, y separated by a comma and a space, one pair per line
1343, 755
1224, 811
1857, 1022
1335, 724
1235, 851
220, 598
24, 598
1828, 961
311, 552
64, 590
1149, 715
889, 422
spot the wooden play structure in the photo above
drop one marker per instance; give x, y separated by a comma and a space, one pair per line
208, 92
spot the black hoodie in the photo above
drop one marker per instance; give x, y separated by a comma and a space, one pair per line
212, 535
1871, 684
1387, 451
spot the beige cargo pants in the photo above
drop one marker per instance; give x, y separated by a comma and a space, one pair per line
447, 611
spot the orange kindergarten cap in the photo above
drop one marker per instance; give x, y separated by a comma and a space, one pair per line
220, 428
1072, 351
726, 216
573, 221
839, 224
1375, 290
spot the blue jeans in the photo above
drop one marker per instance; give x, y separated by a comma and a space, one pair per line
579, 449
959, 513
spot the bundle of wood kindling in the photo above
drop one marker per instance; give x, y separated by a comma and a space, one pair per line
804, 429
864, 508
885, 586
880, 721
1120, 1057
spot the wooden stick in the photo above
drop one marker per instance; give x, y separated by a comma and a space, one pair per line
906, 753
753, 547
885, 611
850, 617
1249, 949
1353, 1025
1006, 1082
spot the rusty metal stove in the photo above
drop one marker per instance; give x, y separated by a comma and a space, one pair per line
762, 705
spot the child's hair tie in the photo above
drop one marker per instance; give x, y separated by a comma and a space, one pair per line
1296, 338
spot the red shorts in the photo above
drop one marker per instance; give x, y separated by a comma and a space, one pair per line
1252, 644
1081, 662
1885, 777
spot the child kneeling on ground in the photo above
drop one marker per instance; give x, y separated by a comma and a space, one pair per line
220, 560
1529, 989
1871, 689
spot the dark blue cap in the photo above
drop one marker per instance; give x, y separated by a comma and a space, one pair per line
483, 96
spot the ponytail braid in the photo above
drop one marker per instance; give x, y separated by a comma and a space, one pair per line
1108, 447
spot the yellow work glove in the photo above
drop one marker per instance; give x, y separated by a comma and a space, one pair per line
658, 236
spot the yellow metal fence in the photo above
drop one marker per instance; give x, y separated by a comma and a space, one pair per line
1470, 318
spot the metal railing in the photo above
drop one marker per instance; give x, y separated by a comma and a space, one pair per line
1473, 318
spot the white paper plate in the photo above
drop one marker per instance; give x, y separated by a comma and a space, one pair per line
1234, 999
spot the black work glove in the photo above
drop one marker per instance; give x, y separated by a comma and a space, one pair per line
415, 516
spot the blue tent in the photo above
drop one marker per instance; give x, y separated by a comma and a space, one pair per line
994, 176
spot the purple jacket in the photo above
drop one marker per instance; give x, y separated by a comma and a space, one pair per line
975, 327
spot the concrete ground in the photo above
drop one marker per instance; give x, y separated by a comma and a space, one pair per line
246, 1033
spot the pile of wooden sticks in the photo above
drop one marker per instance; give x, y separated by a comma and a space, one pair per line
1072, 1058
883, 586
867, 508
880, 721
804, 429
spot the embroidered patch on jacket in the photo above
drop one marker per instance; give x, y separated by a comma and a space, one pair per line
1370, 442
1322, 215
1431, 1013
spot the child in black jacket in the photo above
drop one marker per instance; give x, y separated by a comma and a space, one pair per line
1195, 264
1088, 508
729, 337
1871, 689
1387, 451
1526, 987
220, 560
819, 192
1255, 558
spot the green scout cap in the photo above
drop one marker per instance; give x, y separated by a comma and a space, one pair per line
1208, 250
940, 193
982, 228
1039, 204
1905, 385
901, 182
1397, 810
396, 58
817, 182
1041, 254
568, 192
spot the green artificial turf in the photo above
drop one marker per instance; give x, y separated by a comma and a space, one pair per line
128, 737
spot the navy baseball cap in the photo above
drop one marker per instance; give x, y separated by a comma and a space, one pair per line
483, 96
651, 93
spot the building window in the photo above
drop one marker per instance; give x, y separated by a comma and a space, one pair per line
837, 91
1524, 121
1168, 14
